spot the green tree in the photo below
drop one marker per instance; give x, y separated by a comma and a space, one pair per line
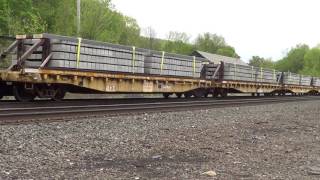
312, 62
261, 62
131, 33
178, 37
49, 10
177, 43
214, 43
149, 38
98, 22
294, 60
227, 51
209, 42
19, 17
64, 22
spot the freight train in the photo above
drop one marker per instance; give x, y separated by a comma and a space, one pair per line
49, 66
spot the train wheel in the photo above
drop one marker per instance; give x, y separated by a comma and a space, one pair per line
59, 95
187, 95
198, 94
178, 95
20, 94
166, 95
223, 93
215, 94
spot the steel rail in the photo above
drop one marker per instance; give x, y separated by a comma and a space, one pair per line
25, 114
9, 105
131, 104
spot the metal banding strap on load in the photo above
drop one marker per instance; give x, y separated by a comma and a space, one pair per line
194, 65
78, 51
133, 58
261, 74
274, 75
162, 61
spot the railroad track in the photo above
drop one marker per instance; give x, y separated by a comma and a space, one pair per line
70, 102
18, 115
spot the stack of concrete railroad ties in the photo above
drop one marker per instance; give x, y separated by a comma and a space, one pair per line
83, 54
237, 72
173, 64
297, 79
316, 81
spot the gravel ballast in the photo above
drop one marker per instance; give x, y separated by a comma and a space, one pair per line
278, 141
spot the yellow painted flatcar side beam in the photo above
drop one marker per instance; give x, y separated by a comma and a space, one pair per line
250, 87
107, 82
131, 83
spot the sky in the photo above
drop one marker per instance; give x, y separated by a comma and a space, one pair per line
267, 28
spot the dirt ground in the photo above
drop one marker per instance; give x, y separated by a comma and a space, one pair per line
279, 141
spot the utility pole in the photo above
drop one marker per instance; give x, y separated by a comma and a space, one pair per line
78, 16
